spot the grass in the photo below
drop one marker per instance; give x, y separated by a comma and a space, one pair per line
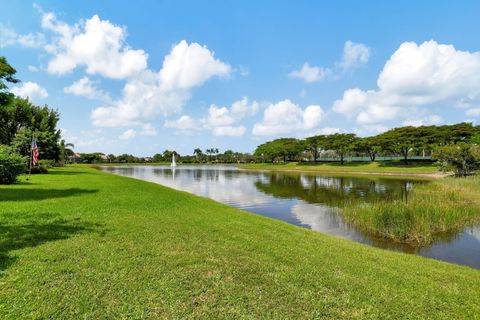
436, 209
79, 243
352, 167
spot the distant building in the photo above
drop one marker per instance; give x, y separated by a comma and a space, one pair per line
75, 158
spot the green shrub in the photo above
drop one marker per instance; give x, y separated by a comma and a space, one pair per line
461, 158
11, 165
39, 169
43, 166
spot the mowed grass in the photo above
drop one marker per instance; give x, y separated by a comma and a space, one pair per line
434, 209
360, 167
82, 244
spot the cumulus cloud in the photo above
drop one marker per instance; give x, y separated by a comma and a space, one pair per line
416, 76
286, 117
30, 90
223, 116
221, 121
473, 112
96, 44
324, 131
190, 65
86, 88
127, 135
148, 130
354, 54
152, 93
231, 131
309, 73
425, 121
185, 123
9, 37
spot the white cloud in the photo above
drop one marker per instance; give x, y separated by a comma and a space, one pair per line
425, 121
148, 130
9, 37
183, 123
150, 94
96, 44
223, 116
86, 88
219, 116
33, 68
474, 112
286, 117
129, 134
87, 140
309, 73
222, 121
30, 90
416, 76
354, 54
190, 65
324, 131
229, 131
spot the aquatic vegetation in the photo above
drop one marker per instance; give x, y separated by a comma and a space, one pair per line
434, 209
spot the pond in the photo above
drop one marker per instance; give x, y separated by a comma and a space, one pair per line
307, 200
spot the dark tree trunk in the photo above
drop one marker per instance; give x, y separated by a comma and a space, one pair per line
405, 156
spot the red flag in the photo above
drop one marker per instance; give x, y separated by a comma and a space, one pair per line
34, 151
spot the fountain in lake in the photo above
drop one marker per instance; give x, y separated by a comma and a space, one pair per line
173, 164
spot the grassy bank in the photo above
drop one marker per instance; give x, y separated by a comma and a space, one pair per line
78, 243
385, 167
432, 210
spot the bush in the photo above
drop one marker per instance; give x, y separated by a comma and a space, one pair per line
39, 169
43, 166
11, 165
461, 158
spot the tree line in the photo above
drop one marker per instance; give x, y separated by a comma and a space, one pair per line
211, 155
401, 142
19, 121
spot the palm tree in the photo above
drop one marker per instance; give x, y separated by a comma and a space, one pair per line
65, 150
198, 153
209, 153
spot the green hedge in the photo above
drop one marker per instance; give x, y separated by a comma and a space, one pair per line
11, 165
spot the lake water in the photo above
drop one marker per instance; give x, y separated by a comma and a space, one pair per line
307, 200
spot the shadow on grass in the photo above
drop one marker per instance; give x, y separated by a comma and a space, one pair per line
36, 232
25, 194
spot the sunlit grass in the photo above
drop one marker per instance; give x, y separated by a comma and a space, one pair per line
361, 167
82, 244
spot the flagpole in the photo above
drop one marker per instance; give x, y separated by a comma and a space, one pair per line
31, 158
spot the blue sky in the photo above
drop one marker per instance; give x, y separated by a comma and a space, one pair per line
142, 77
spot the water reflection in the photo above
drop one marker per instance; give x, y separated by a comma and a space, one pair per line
307, 200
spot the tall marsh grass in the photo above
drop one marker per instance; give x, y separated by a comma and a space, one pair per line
434, 209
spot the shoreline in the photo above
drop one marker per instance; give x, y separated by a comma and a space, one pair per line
433, 175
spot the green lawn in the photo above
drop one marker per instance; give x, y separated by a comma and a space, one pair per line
79, 243
360, 167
